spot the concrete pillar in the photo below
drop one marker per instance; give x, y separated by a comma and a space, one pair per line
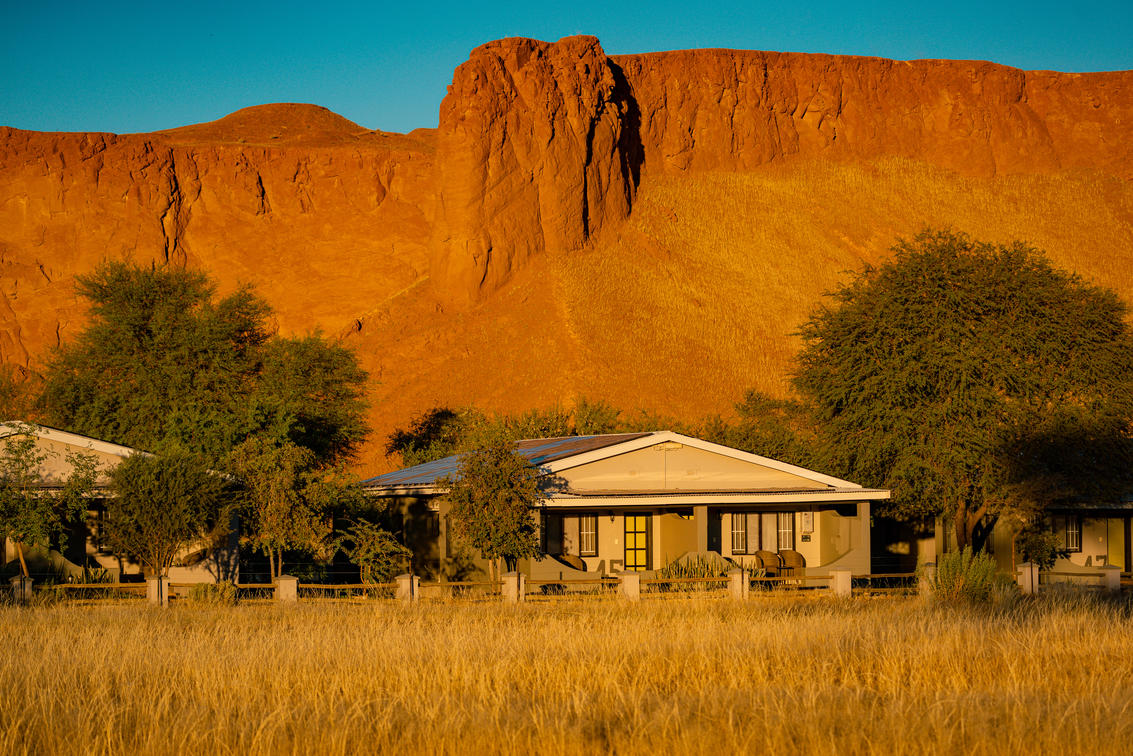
629, 585
841, 582
700, 517
157, 591
21, 589
514, 585
286, 589
927, 578
738, 584
1111, 578
407, 586
1028, 578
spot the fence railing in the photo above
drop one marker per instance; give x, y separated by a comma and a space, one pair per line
515, 587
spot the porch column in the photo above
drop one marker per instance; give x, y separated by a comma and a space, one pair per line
700, 517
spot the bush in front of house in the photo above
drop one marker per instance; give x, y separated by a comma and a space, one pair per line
964, 577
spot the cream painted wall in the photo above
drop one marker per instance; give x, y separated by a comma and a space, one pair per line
674, 536
684, 468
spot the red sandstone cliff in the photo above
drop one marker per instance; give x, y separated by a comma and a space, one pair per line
540, 147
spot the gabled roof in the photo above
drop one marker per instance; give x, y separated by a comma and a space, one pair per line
10, 428
555, 455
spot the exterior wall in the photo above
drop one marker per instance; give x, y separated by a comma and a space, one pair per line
1103, 542
675, 466
674, 536
840, 539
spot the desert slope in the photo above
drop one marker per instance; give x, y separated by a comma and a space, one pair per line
646, 228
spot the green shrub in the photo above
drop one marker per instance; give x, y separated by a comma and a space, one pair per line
223, 593
963, 576
696, 566
1038, 545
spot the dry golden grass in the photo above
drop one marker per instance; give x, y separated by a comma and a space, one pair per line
697, 675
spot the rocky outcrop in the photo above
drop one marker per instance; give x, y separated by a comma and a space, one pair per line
535, 151
736, 110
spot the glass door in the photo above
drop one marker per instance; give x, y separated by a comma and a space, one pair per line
637, 542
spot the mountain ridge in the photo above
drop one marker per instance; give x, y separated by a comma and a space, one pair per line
446, 254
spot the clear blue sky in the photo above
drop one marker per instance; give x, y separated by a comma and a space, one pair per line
123, 67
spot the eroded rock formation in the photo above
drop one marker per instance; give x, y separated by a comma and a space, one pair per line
535, 152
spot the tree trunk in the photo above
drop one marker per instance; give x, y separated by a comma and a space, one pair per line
271, 564
279, 563
20, 554
965, 523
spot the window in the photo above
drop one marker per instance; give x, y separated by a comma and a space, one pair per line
786, 530
588, 535
739, 533
1070, 528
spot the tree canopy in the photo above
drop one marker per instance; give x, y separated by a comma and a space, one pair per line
492, 495
164, 505
165, 363
972, 379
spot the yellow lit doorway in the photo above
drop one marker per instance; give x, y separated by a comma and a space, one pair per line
637, 542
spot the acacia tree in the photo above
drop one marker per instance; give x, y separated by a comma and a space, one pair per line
492, 495
34, 509
163, 505
164, 361
960, 374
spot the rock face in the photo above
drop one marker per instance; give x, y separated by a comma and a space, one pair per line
540, 148
299, 221
535, 152
736, 110
540, 145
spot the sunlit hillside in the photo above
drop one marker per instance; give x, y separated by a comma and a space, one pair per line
697, 296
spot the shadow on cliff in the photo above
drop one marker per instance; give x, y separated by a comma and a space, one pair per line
631, 149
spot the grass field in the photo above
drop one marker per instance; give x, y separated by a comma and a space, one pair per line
696, 675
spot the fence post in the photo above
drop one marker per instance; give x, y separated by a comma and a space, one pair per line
927, 578
629, 585
287, 589
841, 582
157, 591
1028, 577
21, 589
514, 587
1111, 578
738, 584
407, 587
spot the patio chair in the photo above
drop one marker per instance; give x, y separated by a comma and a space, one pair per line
769, 562
794, 563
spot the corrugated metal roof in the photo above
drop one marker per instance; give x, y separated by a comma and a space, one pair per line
539, 451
